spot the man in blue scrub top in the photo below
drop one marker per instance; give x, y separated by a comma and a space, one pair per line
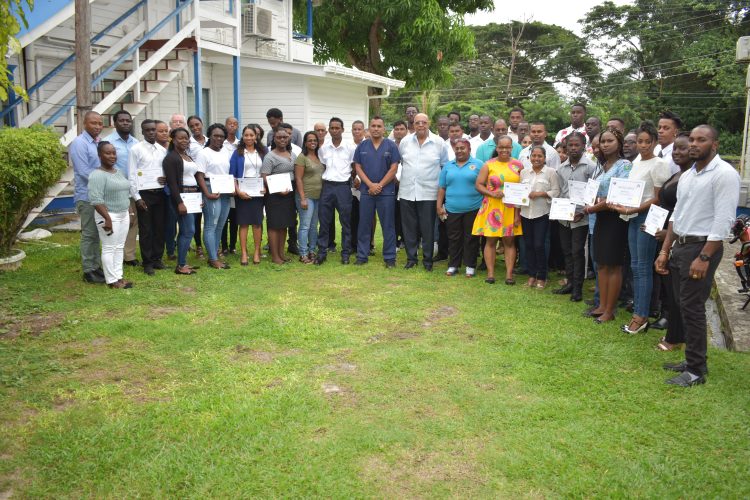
376, 161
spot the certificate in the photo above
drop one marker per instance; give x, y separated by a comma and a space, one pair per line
655, 219
592, 189
515, 193
278, 183
251, 186
577, 192
562, 209
148, 179
192, 202
625, 192
222, 184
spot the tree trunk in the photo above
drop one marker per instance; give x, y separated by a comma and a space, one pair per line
375, 104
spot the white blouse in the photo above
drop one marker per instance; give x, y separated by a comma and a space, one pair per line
213, 162
190, 168
253, 163
546, 180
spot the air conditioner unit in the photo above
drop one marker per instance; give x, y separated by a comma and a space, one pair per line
257, 21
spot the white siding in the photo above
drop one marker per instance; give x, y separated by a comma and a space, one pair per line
345, 100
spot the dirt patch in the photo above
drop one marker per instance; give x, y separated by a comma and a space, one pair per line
391, 336
32, 324
245, 353
160, 312
439, 314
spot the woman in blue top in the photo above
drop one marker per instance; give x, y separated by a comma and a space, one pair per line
458, 202
245, 162
610, 231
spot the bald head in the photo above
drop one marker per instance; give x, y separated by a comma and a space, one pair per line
421, 125
500, 129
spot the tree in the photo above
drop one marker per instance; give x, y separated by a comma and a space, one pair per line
11, 17
414, 41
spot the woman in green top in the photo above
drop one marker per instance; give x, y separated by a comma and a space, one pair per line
308, 175
109, 193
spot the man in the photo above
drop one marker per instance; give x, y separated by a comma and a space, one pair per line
455, 131
487, 149
422, 155
593, 128
230, 143
668, 128
523, 129
629, 146
616, 123
409, 114
578, 167
707, 198
85, 159
399, 132
454, 117
275, 118
485, 132
473, 126
123, 141
515, 117
538, 138
336, 155
177, 121
443, 123
376, 161
577, 122
358, 135
320, 131
170, 228
146, 157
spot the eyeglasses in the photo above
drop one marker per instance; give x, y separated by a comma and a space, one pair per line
420, 122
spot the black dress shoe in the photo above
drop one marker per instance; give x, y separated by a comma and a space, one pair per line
390, 264
345, 260
149, 270
132, 263
440, 257
93, 277
575, 296
159, 265
660, 324
675, 367
428, 267
99, 272
686, 379
360, 262
564, 290
410, 265
319, 261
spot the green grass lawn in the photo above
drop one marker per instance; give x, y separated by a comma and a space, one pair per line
271, 381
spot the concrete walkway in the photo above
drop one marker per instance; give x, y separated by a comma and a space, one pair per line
735, 323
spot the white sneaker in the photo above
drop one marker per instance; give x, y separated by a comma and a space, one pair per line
470, 271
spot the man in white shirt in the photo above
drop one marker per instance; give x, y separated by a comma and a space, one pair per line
577, 122
455, 131
538, 138
668, 128
337, 156
473, 126
443, 123
422, 155
485, 132
514, 118
322, 133
707, 198
146, 158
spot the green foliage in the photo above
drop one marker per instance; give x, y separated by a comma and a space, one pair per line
31, 160
11, 11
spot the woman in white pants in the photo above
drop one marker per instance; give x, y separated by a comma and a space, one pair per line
109, 193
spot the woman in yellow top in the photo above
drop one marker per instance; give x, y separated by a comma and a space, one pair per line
495, 219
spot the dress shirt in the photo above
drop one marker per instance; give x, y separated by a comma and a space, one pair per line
581, 173
420, 167
195, 147
666, 153
229, 147
144, 156
552, 161
477, 141
338, 161
123, 149
85, 159
707, 201
545, 180
568, 130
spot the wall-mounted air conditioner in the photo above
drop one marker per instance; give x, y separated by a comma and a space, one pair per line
257, 22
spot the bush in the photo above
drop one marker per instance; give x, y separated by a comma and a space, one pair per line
31, 161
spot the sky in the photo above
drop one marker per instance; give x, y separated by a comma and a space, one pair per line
565, 14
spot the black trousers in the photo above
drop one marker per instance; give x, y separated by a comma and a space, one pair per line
442, 238
691, 296
573, 242
675, 329
151, 225
230, 226
354, 223
556, 256
462, 245
418, 217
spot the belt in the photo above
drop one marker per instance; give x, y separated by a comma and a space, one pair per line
190, 189
336, 183
683, 240
155, 190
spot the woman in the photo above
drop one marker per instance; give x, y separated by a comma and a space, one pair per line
245, 162
535, 217
457, 203
654, 172
495, 219
675, 337
109, 193
610, 231
280, 210
197, 142
526, 141
213, 160
308, 175
180, 170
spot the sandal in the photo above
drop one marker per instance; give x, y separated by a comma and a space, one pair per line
510, 281
183, 270
199, 252
665, 346
541, 284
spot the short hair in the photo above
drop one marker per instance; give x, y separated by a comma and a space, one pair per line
213, 127
412, 106
287, 126
647, 126
579, 105
538, 123
617, 119
462, 139
683, 133
455, 113
89, 113
399, 122
541, 148
442, 117
160, 122
101, 145
598, 120
669, 115
336, 119
121, 112
577, 135
378, 117
274, 113
172, 135
194, 117
453, 125
520, 110
358, 121
147, 121
712, 130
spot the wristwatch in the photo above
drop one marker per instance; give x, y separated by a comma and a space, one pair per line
703, 257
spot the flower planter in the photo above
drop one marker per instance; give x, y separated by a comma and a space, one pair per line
12, 262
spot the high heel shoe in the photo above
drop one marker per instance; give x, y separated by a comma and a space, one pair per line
642, 328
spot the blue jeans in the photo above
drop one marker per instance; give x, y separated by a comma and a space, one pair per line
535, 238
642, 250
307, 233
215, 214
187, 229
592, 222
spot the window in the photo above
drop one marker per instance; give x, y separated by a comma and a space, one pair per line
206, 104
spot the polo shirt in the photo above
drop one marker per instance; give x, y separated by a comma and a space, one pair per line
420, 167
123, 150
569, 130
487, 149
85, 159
461, 194
377, 162
338, 161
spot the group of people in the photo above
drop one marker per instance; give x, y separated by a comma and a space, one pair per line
441, 192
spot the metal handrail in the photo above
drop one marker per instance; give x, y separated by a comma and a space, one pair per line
121, 59
54, 71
